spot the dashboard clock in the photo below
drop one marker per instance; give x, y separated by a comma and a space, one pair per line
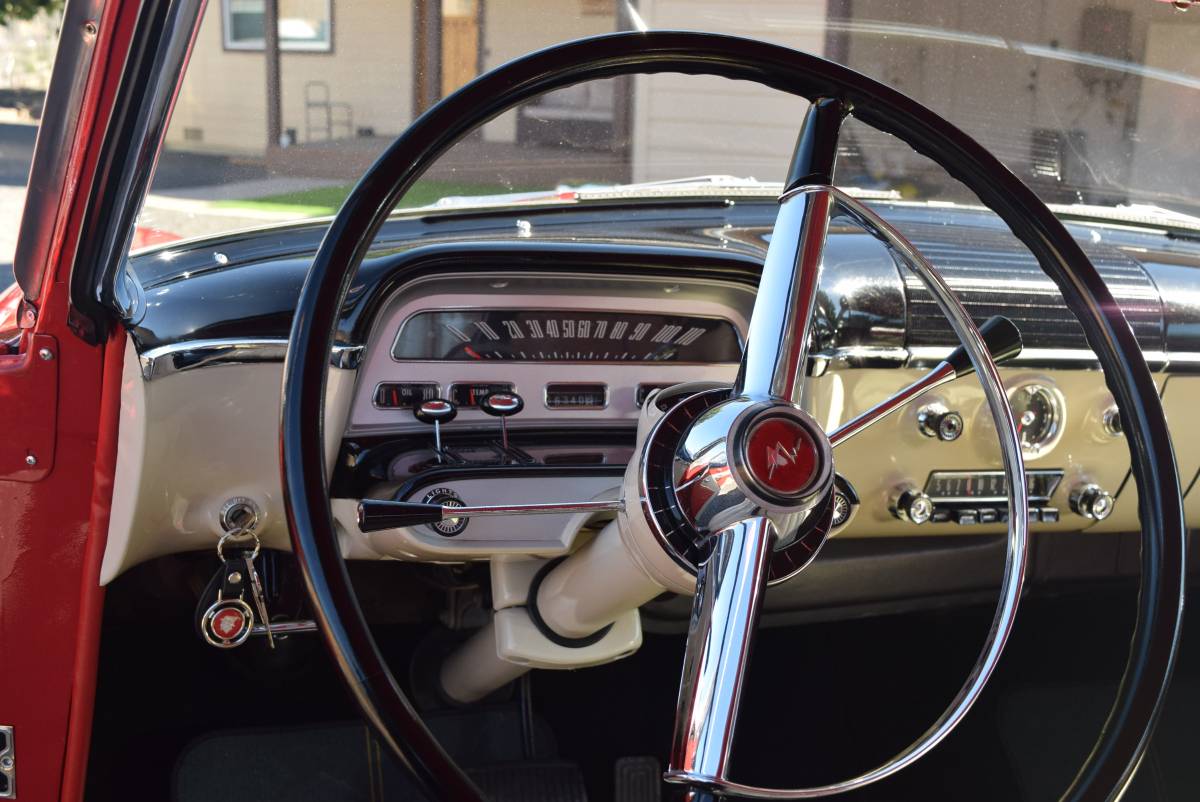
1040, 414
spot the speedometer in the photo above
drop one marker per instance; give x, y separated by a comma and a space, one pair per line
581, 335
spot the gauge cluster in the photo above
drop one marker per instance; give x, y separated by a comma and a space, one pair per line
583, 348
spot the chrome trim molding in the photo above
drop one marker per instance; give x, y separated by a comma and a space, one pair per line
871, 356
8, 762
178, 357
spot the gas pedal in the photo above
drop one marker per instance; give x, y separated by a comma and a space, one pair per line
637, 779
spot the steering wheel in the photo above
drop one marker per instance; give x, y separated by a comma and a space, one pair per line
748, 472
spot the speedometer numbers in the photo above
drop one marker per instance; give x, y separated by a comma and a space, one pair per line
519, 335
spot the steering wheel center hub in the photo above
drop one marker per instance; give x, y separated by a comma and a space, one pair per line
712, 460
780, 456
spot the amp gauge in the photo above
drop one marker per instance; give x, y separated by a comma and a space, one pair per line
1040, 414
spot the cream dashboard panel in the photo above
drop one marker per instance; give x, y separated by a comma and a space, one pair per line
190, 441
894, 453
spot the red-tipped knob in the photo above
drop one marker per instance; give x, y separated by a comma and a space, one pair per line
502, 405
435, 410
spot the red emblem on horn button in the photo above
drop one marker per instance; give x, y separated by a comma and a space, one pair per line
781, 455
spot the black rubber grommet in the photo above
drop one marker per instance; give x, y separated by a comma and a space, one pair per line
536, 617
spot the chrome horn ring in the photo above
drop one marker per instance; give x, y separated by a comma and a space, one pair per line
737, 569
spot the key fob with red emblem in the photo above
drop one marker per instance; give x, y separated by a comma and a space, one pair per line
224, 619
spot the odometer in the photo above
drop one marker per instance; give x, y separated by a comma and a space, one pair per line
514, 335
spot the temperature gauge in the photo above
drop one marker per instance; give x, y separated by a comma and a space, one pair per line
470, 394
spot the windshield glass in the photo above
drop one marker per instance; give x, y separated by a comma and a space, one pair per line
1091, 103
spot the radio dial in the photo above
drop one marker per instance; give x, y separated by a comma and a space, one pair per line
1092, 502
913, 506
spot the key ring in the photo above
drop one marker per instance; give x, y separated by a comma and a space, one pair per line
235, 534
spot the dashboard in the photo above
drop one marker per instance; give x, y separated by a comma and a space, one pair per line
588, 328
576, 348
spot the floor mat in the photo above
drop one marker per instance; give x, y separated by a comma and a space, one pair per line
1045, 758
344, 762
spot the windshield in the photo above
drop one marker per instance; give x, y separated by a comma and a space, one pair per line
1090, 103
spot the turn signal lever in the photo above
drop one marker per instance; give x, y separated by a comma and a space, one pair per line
377, 514
1003, 340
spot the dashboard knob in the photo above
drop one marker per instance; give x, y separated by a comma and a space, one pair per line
1112, 422
934, 420
913, 506
502, 406
1092, 502
436, 411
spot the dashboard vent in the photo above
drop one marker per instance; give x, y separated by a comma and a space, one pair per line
993, 274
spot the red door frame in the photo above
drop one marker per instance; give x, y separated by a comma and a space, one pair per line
54, 527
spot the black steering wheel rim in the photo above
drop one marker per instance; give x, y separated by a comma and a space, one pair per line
1154, 644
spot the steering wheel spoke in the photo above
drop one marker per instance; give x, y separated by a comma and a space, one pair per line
780, 328
729, 592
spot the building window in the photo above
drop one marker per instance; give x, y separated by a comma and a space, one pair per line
303, 24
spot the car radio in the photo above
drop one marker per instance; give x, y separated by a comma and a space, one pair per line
975, 497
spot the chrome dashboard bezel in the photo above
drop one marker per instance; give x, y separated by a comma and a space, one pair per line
1058, 405
702, 297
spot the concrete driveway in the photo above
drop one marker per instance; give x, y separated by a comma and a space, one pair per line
16, 152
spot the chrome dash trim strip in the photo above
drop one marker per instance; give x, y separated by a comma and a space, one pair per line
870, 356
178, 357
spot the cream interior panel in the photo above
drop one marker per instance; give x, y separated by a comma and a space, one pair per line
190, 441
1179, 402
894, 452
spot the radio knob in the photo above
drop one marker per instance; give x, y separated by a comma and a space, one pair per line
934, 420
1092, 502
913, 506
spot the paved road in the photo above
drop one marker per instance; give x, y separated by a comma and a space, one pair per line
185, 175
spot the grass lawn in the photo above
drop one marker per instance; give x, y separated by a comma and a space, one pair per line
326, 200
